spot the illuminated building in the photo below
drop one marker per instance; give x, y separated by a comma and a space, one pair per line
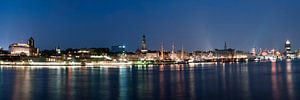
224, 53
199, 56
26, 49
132, 56
90, 54
288, 50
20, 49
119, 49
230, 55
288, 47
54, 55
152, 55
118, 52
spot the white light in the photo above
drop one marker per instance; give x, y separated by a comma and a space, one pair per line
287, 42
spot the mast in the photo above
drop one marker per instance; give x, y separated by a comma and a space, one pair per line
162, 51
225, 46
173, 48
181, 52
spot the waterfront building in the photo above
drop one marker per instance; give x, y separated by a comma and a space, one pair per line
288, 50
152, 55
141, 52
241, 55
20, 49
119, 49
224, 54
199, 56
287, 46
165, 56
88, 54
119, 52
55, 55
25, 49
230, 55
132, 56
56, 58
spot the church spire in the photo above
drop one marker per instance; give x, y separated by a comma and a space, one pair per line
144, 44
31, 42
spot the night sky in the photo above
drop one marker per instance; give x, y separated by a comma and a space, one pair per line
195, 24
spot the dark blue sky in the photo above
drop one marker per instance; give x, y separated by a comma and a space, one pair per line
196, 24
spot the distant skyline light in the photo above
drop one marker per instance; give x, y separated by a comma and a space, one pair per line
195, 24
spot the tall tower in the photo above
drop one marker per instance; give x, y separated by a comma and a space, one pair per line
288, 48
144, 45
31, 42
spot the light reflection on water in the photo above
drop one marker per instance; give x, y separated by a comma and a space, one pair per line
247, 81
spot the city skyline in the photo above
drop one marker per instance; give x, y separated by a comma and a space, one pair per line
144, 46
197, 25
149, 49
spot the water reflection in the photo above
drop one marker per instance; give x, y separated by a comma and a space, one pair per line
290, 83
283, 82
247, 81
275, 86
123, 83
22, 86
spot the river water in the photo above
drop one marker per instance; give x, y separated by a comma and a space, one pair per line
230, 81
